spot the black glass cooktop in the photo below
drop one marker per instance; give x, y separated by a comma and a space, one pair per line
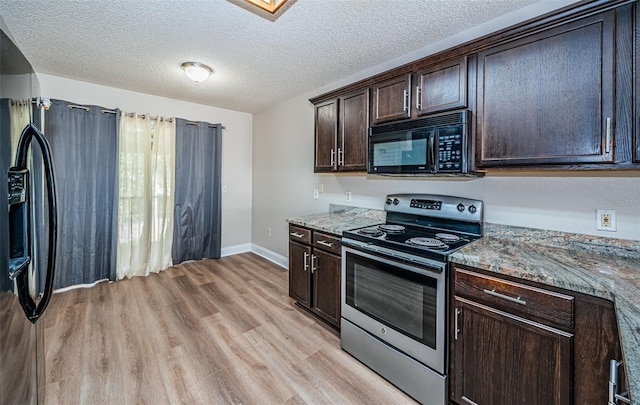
421, 241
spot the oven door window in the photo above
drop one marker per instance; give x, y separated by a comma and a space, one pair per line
399, 298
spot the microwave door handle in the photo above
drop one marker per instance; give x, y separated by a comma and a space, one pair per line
431, 153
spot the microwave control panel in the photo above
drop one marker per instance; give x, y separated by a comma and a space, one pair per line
450, 149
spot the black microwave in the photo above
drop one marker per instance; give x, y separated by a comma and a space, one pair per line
433, 145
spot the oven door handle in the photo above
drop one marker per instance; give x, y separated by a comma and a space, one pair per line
426, 265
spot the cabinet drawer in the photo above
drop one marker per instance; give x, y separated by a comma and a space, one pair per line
536, 304
300, 235
330, 243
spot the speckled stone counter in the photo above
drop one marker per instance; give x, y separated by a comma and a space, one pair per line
606, 268
340, 218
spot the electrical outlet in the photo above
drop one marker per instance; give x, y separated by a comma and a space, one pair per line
268, 231
316, 194
321, 187
347, 196
606, 220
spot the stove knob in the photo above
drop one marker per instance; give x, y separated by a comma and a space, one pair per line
396, 201
389, 201
472, 209
461, 207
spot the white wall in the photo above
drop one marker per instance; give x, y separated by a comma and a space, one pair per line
284, 182
236, 141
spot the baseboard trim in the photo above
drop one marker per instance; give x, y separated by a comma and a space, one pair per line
76, 286
270, 255
234, 250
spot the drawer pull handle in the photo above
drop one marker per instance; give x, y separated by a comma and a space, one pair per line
324, 243
297, 235
506, 297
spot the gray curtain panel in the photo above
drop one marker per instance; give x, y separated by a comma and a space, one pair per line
84, 143
197, 214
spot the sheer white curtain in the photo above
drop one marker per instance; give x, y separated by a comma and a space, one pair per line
145, 202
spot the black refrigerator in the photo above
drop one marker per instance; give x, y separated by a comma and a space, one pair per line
28, 229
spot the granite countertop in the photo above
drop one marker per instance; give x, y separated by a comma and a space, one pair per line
602, 267
340, 218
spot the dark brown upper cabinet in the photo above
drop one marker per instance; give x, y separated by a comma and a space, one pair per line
429, 90
326, 139
636, 75
341, 133
354, 125
441, 87
549, 98
556, 92
391, 99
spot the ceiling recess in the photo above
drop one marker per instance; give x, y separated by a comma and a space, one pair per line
270, 6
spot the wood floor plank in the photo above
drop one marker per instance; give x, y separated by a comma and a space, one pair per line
165, 335
207, 332
64, 343
101, 376
182, 383
141, 381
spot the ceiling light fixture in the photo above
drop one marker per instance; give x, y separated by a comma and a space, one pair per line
197, 72
268, 5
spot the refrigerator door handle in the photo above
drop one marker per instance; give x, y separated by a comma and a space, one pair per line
31, 309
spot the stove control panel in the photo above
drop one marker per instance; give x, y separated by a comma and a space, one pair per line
426, 204
436, 206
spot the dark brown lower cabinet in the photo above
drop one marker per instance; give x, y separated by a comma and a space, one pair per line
504, 359
520, 342
299, 281
315, 272
326, 286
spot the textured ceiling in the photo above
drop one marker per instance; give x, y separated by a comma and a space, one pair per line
140, 44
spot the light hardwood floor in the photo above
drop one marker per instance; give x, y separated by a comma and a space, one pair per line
208, 332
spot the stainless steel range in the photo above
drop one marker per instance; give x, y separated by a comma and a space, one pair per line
394, 289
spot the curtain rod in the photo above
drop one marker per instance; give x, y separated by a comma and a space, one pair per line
105, 111
151, 117
198, 124
80, 107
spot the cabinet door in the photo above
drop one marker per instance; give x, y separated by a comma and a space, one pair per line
300, 273
499, 358
391, 99
354, 124
441, 87
326, 137
548, 98
326, 286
